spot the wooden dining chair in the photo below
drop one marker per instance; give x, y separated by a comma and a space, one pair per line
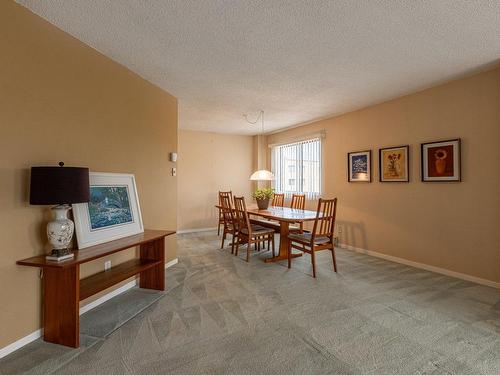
221, 219
248, 233
299, 203
321, 237
230, 224
278, 200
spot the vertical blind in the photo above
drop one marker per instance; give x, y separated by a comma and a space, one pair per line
297, 168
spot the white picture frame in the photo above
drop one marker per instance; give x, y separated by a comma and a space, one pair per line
112, 213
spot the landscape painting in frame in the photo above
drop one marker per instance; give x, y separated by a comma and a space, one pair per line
112, 212
441, 161
109, 206
394, 164
359, 166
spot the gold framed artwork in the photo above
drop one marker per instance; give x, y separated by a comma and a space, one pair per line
394, 164
441, 161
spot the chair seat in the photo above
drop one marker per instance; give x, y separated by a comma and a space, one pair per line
258, 230
305, 238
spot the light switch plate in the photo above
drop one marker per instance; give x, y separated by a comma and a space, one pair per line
174, 171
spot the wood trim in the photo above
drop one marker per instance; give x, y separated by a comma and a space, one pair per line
98, 251
61, 320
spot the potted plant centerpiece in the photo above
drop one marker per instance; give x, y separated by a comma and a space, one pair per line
262, 196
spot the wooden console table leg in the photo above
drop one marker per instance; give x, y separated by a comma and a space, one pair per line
61, 305
153, 278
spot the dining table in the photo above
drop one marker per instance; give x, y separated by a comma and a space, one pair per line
284, 216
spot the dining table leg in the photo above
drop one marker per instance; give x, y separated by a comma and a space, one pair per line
283, 250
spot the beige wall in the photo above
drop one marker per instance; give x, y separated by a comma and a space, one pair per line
210, 162
61, 100
455, 226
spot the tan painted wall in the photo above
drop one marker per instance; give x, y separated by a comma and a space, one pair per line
455, 226
207, 163
61, 100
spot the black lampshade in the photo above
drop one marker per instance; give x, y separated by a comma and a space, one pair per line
59, 185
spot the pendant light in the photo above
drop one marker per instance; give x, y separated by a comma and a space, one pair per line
261, 174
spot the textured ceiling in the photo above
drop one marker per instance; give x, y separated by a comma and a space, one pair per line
297, 60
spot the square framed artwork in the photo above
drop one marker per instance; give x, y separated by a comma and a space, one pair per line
441, 161
359, 166
394, 164
113, 210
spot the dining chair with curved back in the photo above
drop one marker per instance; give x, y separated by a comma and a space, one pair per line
230, 224
228, 194
278, 200
248, 233
299, 203
321, 237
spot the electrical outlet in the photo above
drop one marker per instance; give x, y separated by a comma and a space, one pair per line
107, 265
339, 229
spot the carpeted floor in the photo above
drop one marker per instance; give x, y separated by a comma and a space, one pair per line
222, 315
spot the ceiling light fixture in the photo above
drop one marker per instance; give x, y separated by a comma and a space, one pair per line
262, 174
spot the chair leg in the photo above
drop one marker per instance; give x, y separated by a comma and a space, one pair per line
237, 247
223, 238
289, 253
313, 260
249, 248
334, 261
272, 242
232, 243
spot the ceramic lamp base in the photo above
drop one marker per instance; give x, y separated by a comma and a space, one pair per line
60, 230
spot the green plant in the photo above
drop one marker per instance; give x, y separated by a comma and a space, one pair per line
261, 194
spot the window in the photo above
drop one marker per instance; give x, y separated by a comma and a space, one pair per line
297, 168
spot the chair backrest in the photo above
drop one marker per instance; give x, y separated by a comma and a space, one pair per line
228, 194
298, 201
240, 215
222, 194
324, 223
278, 200
227, 211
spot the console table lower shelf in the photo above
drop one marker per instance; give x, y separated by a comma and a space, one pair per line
63, 289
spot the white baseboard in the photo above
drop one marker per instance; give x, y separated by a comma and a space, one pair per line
6, 350
171, 263
426, 267
195, 230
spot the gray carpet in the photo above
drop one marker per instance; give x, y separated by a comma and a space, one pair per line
221, 315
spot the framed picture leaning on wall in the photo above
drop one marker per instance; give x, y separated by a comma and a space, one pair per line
394, 164
113, 210
441, 161
359, 167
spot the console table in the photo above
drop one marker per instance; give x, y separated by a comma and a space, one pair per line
63, 289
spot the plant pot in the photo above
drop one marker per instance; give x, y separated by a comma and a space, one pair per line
263, 203
440, 166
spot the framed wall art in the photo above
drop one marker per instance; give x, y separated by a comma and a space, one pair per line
113, 210
394, 164
441, 161
359, 166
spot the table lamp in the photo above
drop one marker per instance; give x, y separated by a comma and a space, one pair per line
60, 186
